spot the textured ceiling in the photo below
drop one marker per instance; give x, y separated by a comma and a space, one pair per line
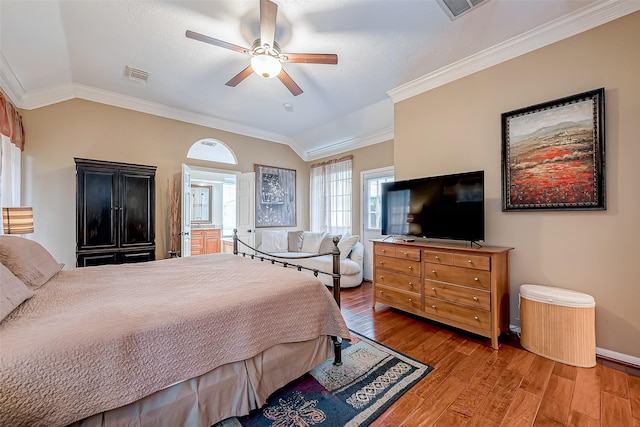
57, 50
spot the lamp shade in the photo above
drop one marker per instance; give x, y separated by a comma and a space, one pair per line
17, 220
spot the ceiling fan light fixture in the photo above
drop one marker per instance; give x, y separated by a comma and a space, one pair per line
266, 65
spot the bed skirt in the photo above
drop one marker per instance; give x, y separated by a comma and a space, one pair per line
230, 390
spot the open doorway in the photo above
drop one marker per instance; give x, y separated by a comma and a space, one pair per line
372, 181
208, 200
211, 211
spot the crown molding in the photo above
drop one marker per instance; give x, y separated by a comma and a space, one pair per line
9, 83
582, 20
349, 144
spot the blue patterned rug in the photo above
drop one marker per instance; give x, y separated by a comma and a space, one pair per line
371, 378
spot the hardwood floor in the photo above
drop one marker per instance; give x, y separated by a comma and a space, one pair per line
473, 385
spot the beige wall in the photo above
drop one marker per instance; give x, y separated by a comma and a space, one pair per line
364, 159
77, 128
457, 128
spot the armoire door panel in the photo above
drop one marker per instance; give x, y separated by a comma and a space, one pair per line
135, 215
98, 227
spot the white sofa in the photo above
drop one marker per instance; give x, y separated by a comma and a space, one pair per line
303, 243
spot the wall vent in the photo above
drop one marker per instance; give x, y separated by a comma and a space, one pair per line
136, 74
457, 8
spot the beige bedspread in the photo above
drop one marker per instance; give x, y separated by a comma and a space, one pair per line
94, 339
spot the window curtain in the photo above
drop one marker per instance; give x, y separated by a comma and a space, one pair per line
330, 192
11, 147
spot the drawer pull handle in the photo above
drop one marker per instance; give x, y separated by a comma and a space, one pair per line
381, 277
410, 300
437, 257
380, 262
404, 253
433, 289
475, 298
433, 271
433, 306
475, 317
469, 261
380, 292
411, 284
384, 250
476, 279
410, 267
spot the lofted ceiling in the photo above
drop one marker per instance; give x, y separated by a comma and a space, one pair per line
54, 50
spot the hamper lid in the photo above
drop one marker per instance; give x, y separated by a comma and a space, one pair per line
557, 296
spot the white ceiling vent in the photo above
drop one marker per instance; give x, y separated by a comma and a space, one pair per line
457, 8
136, 74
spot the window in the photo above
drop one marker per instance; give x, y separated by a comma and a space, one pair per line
212, 150
374, 208
330, 193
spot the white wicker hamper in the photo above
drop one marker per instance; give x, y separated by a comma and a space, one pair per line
558, 324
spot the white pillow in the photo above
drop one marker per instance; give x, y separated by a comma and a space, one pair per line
311, 241
327, 244
28, 260
12, 292
274, 241
346, 244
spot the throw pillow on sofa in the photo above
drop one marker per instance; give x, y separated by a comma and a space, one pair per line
311, 241
274, 241
346, 244
294, 239
327, 243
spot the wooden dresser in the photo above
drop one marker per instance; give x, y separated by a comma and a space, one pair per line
467, 288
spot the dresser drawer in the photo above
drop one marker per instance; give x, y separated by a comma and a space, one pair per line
395, 251
458, 275
398, 265
473, 297
466, 315
408, 253
435, 257
385, 250
397, 280
397, 296
472, 261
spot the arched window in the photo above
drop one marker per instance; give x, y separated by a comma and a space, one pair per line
212, 150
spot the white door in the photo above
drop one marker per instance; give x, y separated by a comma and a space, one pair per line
185, 231
246, 210
371, 212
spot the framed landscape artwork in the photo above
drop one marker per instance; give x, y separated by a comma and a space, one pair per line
275, 197
553, 155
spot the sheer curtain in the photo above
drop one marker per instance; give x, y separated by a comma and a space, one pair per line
330, 193
11, 146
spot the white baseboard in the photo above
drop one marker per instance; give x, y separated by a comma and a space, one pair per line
613, 355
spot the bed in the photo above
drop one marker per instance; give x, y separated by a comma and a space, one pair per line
183, 341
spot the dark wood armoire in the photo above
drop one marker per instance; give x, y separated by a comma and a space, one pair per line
115, 212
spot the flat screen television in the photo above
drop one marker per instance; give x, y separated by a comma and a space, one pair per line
441, 207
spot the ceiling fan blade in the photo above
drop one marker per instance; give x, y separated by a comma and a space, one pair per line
240, 77
201, 37
312, 58
289, 83
268, 13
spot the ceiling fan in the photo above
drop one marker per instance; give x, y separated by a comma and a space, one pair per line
266, 57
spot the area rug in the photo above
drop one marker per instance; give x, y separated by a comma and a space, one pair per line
371, 377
